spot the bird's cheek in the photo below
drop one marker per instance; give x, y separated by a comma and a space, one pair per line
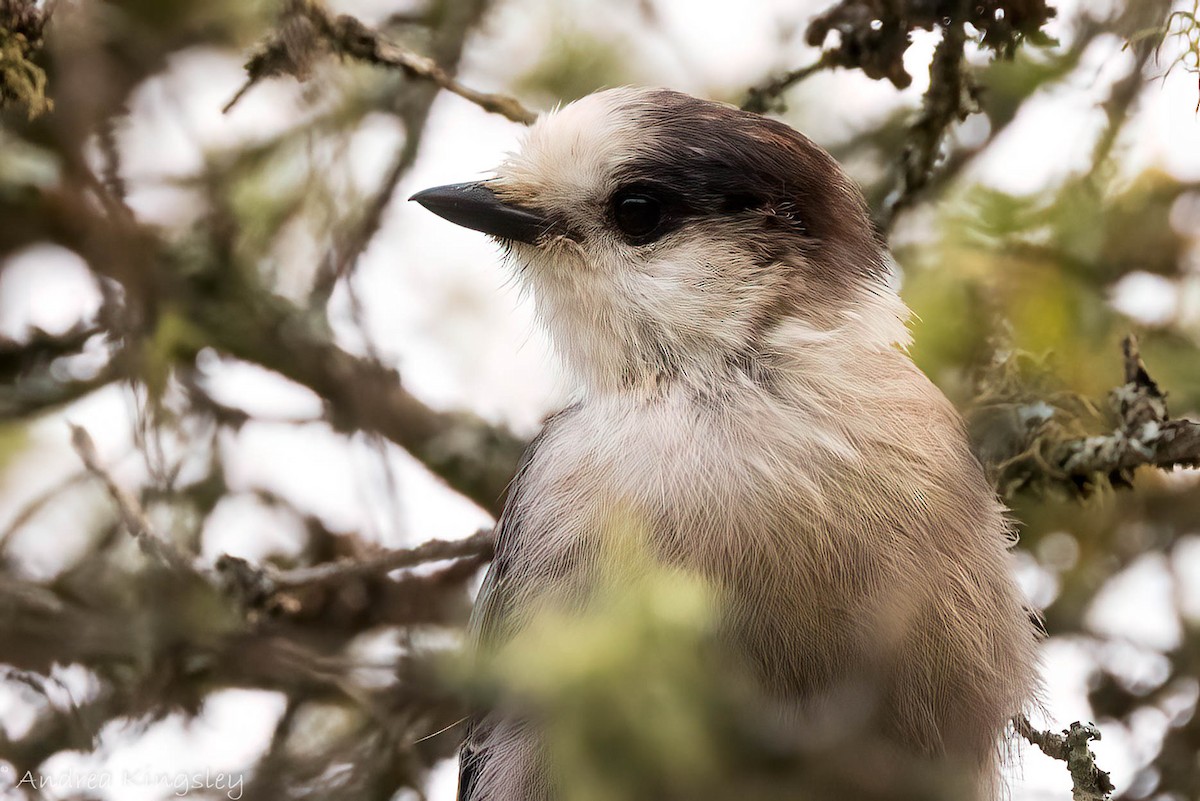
555, 259
564, 252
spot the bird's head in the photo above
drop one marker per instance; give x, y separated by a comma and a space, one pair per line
666, 237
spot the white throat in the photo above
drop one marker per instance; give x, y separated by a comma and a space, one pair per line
626, 332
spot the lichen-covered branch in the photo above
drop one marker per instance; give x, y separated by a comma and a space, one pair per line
1088, 782
951, 98
1147, 434
874, 35
1042, 447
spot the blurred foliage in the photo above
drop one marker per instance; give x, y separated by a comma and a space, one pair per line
638, 700
1046, 265
1016, 321
13, 440
577, 62
632, 655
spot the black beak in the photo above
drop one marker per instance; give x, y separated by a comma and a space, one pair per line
476, 207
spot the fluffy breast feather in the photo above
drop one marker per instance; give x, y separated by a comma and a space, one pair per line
852, 534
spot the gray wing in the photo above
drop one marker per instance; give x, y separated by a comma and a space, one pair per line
485, 733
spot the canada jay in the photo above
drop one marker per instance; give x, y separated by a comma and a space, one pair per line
714, 282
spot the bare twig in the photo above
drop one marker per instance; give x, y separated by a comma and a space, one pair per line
1127, 89
1184, 26
347, 36
768, 96
445, 51
479, 544
31, 509
340, 259
360, 590
132, 514
1088, 782
364, 43
245, 320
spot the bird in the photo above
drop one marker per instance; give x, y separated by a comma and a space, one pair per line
727, 311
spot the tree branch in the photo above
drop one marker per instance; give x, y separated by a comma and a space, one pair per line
471, 455
359, 41
1147, 435
360, 590
478, 545
42, 393
1043, 449
28, 385
1088, 782
446, 50
132, 514
229, 627
288, 53
949, 99
22, 79
767, 96
41, 348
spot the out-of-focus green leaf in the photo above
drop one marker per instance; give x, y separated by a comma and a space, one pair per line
175, 339
13, 439
575, 63
638, 700
235, 21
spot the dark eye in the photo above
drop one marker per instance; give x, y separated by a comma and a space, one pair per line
637, 215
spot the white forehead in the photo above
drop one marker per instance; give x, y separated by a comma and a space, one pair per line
571, 153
